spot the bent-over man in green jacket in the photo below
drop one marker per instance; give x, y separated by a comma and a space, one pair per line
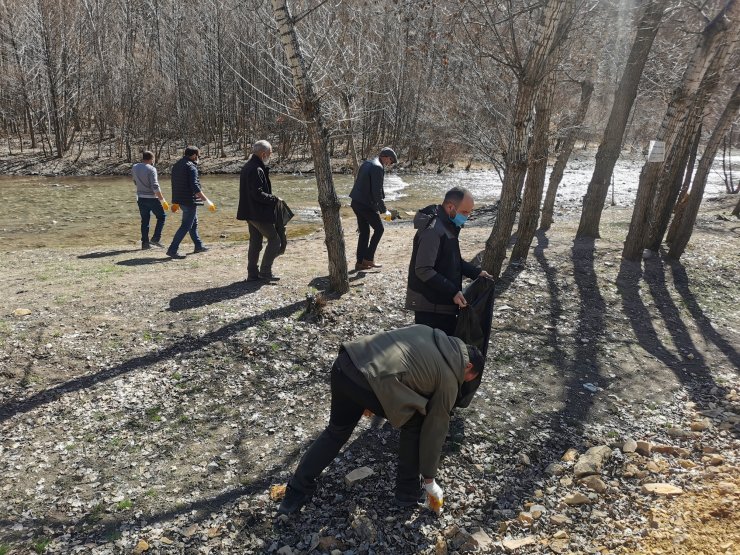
411, 376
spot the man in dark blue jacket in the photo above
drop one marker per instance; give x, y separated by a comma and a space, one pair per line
367, 203
257, 206
185, 193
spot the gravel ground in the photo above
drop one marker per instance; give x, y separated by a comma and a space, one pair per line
149, 405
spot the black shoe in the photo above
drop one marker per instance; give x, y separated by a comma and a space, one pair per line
145, 246
406, 499
202, 248
269, 277
253, 278
292, 502
175, 255
156, 244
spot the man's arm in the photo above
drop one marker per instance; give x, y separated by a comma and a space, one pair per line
434, 429
377, 175
256, 189
154, 183
426, 257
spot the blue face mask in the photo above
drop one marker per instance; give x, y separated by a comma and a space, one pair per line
459, 220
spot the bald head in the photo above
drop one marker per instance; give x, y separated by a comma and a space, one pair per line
458, 200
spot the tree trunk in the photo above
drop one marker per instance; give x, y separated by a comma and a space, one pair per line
350, 133
684, 194
669, 183
624, 98
537, 167
688, 219
310, 107
736, 210
537, 66
556, 176
675, 117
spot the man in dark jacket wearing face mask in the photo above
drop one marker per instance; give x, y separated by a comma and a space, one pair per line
434, 290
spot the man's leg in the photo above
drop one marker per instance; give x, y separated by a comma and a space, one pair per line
376, 223
445, 322
348, 402
253, 254
194, 229
188, 215
408, 485
364, 228
272, 249
161, 217
144, 212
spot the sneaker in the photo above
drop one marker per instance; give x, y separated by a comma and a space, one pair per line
156, 244
175, 255
202, 248
145, 246
269, 276
292, 502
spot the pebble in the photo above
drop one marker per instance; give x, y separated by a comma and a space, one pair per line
358, 475
570, 455
629, 445
700, 425
576, 499
643, 448
662, 490
511, 545
594, 483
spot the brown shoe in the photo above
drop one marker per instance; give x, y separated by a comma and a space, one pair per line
371, 264
360, 266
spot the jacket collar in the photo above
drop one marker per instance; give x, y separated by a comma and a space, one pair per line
445, 219
260, 163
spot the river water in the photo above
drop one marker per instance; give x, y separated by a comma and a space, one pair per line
100, 211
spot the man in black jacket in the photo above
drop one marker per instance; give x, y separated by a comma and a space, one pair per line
185, 194
257, 206
367, 202
434, 290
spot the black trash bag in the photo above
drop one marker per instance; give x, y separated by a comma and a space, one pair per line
283, 214
474, 327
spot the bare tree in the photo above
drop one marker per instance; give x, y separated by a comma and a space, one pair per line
684, 224
611, 143
310, 107
658, 180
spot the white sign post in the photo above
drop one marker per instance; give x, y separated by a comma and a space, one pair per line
656, 152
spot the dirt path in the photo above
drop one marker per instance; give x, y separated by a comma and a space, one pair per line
150, 404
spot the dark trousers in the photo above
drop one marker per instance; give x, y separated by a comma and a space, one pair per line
445, 322
348, 402
367, 218
257, 232
189, 224
147, 206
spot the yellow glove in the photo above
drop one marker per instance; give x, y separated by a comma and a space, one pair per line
175, 207
211, 206
165, 205
435, 496
387, 216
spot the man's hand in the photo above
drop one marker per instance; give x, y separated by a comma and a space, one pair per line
174, 207
211, 206
459, 300
435, 495
165, 205
484, 274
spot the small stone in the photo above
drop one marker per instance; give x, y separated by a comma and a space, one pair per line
629, 445
511, 545
21, 312
652, 467
285, 550
560, 535
537, 511
716, 460
554, 469
482, 540
525, 518
336, 552
165, 540
440, 546
678, 433
523, 458
566, 481
662, 490
594, 483
643, 448
592, 461
576, 499
559, 546
687, 464
451, 531
357, 475
141, 547
364, 528
700, 425
559, 520
190, 530
726, 487
570, 455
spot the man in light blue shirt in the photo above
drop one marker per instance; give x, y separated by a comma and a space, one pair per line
150, 200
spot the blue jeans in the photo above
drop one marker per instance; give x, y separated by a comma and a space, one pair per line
146, 207
189, 224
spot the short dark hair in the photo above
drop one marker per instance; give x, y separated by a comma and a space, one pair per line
476, 357
455, 195
147, 155
190, 150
